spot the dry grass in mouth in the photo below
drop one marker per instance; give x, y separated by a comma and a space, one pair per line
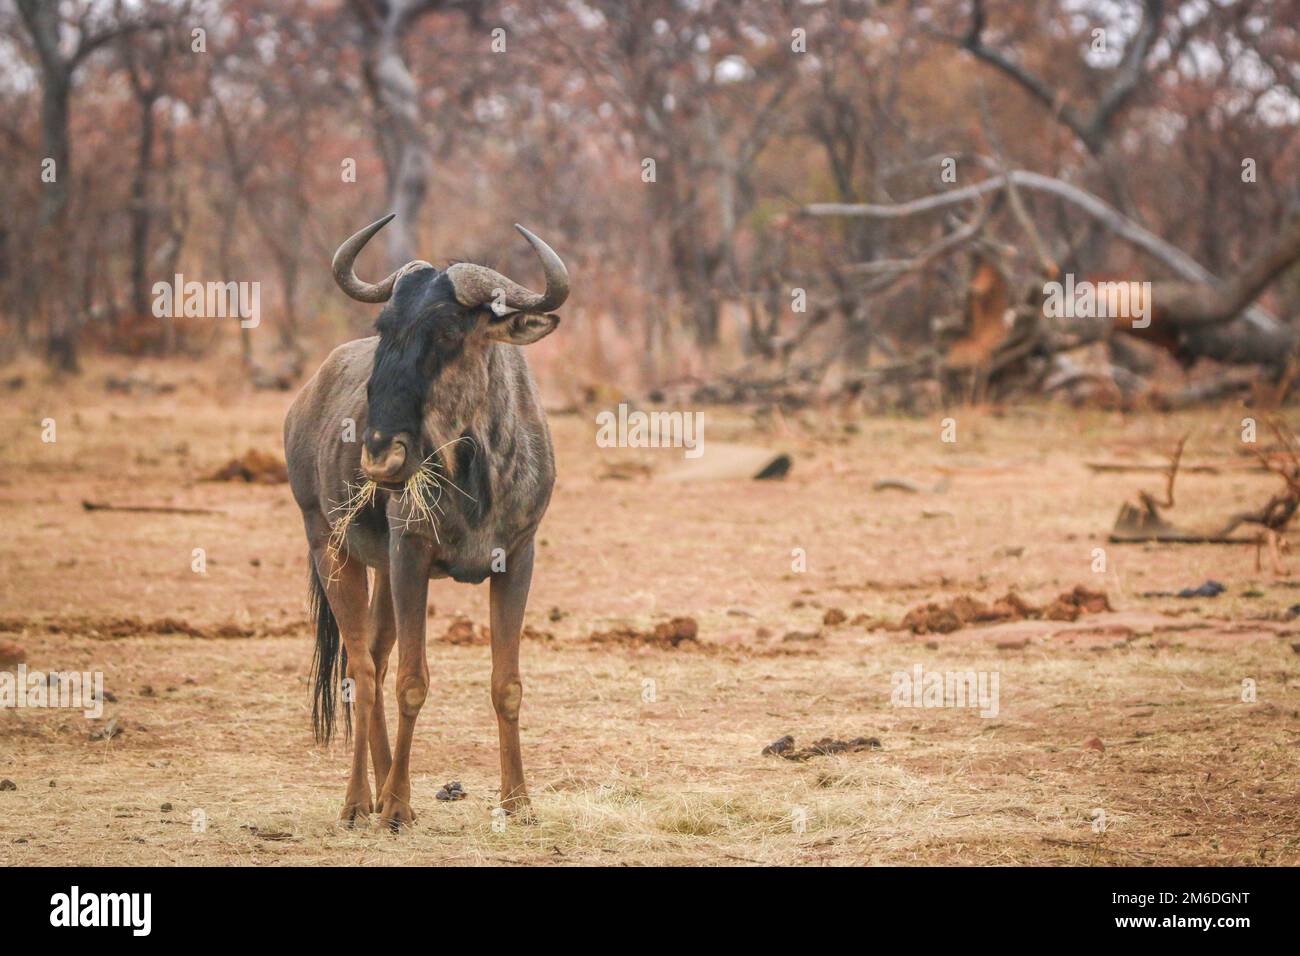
421, 495
362, 495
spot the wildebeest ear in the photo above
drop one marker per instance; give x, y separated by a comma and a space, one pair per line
523, 328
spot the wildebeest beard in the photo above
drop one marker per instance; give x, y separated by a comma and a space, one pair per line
422, 330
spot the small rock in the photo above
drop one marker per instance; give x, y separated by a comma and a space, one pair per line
108, 731
7, 784
1094, 743
166, 808
1209, 589
802, 636
11, 655
833, 617
463, 631
677, 630
896, 484
274, 835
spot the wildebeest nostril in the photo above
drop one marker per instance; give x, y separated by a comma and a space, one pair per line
376, 443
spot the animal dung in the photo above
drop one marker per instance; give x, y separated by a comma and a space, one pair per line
667, 634
11, 654
778, 747
254, 467
1209, 589
785, 748
463, 631
108, 731
451, 791
964, 610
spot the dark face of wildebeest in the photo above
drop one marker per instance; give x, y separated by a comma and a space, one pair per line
436, 324
422, 331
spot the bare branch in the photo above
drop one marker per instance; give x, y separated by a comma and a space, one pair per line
1093, 128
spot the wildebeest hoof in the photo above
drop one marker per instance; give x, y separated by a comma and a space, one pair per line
397, 813
354, 814
520, 810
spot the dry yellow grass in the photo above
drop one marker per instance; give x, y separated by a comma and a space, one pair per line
1190, 773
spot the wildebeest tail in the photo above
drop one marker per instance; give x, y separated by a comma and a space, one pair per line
329, 664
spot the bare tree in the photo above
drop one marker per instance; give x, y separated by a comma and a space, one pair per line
57, 65
703, 123
58, 69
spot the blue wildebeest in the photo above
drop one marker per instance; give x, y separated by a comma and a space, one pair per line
450, 478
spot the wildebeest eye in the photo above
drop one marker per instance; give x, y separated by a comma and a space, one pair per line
448, 336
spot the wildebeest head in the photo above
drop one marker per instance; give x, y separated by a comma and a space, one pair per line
434, 318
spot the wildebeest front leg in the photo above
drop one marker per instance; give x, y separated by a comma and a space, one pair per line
382, 632
345, 589
508, 598
408, 571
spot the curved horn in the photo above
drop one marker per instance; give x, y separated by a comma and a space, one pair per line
478, 285
346, 256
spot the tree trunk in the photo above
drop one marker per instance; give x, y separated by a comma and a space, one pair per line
56, 87
141, 212
403, 145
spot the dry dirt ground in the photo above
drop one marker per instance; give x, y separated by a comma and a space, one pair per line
1121, 738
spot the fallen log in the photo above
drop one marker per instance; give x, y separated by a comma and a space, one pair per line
1199, 316
148, 509
1134, 525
